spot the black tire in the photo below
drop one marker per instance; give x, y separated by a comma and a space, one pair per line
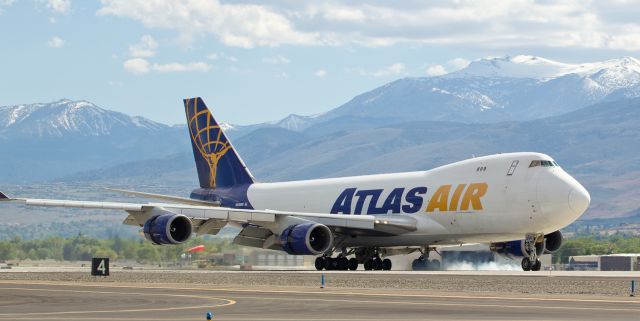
434, 265
353, 264
328, 263
416, 265
536, 266
368, 265
343, 263
319, 263
377, 264
386, 264
526, 264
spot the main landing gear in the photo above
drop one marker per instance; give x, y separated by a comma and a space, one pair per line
531, 263
423, 263
376, 263
340, 263
369, 257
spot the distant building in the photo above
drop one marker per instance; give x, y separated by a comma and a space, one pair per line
611, 262
620, 262
584, 263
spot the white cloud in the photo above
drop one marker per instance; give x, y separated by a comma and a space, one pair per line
137, 66
59, 6
55, 42
179, 67
5, 3
320, 73
222, 55
479, 23
238, 25
391, 70
277, 60
436, 70
458, 63
145, 48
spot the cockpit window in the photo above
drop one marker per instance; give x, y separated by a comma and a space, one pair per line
543, 163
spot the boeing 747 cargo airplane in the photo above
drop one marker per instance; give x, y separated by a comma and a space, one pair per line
515, 202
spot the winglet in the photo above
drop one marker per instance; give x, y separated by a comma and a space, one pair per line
3, 197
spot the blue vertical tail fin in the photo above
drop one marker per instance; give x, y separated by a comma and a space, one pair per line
218, 164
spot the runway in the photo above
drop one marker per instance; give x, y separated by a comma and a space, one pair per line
33, 300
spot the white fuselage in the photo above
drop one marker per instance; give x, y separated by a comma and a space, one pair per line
485, 199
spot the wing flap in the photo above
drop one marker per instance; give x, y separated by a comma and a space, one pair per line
211, 226
253, 236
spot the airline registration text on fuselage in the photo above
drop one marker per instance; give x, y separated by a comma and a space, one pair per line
446, 198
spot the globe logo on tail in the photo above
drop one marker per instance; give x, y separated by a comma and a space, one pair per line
207, 137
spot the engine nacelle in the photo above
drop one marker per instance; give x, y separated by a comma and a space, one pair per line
552, 242
306, 239
168, 229
514, 249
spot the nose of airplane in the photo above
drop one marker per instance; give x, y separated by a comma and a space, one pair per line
562, 199
579, 198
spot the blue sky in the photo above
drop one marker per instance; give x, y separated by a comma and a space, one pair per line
255, 61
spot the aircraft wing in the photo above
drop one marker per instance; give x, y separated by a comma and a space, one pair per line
210, 219
170, 198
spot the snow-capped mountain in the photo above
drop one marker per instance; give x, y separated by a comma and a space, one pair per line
498, 89
522, 66
46, 140
295, 122
292, 122
66, 117
525, 66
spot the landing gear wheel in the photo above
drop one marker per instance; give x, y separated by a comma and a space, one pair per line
386, 264
319, 263
434, 265
526, 264
419, 265
368, 265
343, 263
377, 264
353, 264
536, 266
330, 264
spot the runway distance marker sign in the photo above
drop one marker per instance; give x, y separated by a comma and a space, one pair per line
100, 266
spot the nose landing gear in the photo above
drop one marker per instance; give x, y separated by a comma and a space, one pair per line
531, 263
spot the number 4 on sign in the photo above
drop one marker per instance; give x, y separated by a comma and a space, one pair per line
100, 266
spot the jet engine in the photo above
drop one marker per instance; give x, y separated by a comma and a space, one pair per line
514, 249
511, 249
168, 229
552, 242
306, 239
